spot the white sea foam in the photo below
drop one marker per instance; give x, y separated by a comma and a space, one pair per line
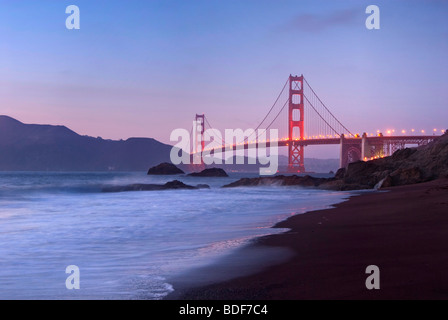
127, 244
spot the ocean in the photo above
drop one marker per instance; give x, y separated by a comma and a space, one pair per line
128, 245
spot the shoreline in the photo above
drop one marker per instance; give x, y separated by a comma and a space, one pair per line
403, 231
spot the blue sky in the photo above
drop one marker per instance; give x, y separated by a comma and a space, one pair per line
144, 68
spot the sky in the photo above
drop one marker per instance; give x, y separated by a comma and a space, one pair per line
145, 68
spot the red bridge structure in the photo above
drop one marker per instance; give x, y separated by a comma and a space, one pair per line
309, 122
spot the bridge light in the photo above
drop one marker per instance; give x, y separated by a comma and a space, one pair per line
435, 130
423, 131
403, 131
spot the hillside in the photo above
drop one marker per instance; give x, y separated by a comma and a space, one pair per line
407, 166
31, 147
404, 167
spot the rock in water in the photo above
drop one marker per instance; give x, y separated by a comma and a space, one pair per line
165, 169
212, 172
176, 184
306, 181
172, 185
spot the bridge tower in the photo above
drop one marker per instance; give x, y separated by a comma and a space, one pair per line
296, 124
198, 139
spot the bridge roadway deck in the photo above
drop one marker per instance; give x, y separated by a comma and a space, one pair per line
333, 141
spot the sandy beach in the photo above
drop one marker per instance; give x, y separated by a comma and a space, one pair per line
403, 231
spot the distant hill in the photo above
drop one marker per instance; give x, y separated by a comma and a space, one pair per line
317, 165
31, 147
311, 165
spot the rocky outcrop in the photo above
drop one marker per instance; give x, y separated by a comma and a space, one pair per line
294, 180
172, 185
165, 169
202, 186
407, 166
211, 172
306, 181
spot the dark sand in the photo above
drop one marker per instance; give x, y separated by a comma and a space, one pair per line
404, 232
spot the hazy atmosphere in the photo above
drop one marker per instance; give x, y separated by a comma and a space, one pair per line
144, 68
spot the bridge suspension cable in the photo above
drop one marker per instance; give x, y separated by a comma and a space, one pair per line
276, 117
272, 108
213, 129
323, 113
262, 121
319, 122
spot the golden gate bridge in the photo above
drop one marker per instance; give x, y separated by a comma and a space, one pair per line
309, 122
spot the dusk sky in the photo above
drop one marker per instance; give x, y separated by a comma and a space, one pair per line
144, 68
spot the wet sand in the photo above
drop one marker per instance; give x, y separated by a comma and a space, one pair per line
403, 231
